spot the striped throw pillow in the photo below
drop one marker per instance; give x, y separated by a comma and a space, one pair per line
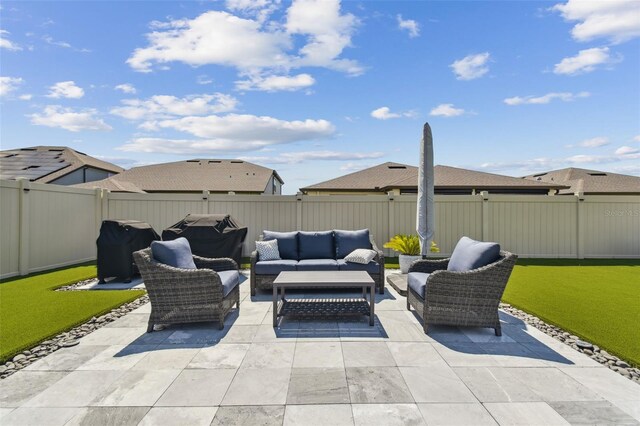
363, 256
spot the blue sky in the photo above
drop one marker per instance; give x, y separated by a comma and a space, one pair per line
317, 89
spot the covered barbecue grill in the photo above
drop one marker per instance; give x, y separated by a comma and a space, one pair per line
210, 235
117, 241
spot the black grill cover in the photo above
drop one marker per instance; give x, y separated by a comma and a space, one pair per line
210, 235
117, 241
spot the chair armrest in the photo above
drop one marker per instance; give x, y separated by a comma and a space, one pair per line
379, 253
219, 264
254, 257
429, 265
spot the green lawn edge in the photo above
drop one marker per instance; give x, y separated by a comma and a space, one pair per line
21, 329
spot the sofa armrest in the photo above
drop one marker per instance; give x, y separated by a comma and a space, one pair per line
429, 265
219, 264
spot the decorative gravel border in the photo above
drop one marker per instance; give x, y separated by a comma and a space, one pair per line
589, 349
68, 338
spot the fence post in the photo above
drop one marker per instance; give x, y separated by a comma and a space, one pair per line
205, 201
105, 204
299, 201
391, 213
580, 225
23, 229
485, 215
98, 210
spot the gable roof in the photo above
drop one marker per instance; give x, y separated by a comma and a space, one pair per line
45, 164
391, 175
191, 176
590, 181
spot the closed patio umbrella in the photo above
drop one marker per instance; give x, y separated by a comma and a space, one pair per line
425, 214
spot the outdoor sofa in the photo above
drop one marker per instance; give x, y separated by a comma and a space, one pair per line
315, 251
463, 290
185, 288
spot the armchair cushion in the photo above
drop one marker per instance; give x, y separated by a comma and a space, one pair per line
470, 254
417, 281
316, 245
317, 265
348, 241
274, 267
287, 243
230, 279
176, 253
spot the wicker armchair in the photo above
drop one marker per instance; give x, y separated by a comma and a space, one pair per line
186, 295
468, 298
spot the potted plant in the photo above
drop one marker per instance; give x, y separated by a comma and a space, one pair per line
409, 248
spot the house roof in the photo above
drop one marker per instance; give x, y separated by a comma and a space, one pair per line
45, 164
390, 175
590, 181
191, 176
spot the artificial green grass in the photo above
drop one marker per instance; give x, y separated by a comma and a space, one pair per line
596, 299
30, 311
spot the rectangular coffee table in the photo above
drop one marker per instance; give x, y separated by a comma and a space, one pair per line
323, 307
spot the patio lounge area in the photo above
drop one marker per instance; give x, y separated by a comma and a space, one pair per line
317, 372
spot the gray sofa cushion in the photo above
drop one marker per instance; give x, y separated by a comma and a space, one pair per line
417, 281
274, 267
372, 267
316, 245
176, 253
348, 241
230, 279
317, 265
471, 254
287, 243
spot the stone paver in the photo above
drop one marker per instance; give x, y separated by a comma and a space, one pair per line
306, 372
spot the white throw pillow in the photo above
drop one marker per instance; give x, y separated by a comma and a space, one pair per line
268, 250
363, 256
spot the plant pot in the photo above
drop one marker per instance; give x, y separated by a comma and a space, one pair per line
406, 261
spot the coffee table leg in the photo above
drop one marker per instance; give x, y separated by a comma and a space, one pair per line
275, 306
372, 304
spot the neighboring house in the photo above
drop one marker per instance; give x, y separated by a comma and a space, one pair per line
190, 176
591, 182
59, 165
396, 178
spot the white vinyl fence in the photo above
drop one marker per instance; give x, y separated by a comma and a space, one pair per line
46, 226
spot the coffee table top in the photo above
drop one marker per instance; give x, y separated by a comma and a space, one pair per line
323, 278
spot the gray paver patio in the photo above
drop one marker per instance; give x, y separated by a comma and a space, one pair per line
317, 372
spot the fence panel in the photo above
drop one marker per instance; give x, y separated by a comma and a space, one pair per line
611, 226
9, 228
534, 226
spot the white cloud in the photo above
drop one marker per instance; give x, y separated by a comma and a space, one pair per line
248, 130
165, 106
273, 83
545, 99
471, 67
65, 89
354, 167
636, 139
9, 84
585, 61
384, 113
616, 20
591, 143
5, 43
626, 151
126, 88
301, 157
259, 9
250, 45
49, 40
204, 79
25, 97
446, 110
68, 119
411, 26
